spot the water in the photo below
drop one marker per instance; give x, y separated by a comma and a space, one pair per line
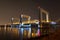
7, 33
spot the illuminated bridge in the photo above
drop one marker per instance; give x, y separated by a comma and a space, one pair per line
29, 28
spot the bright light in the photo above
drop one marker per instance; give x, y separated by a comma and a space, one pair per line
22, 30
37, 22
38, 25
53, 22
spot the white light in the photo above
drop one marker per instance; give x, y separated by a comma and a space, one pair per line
26, 25
37, 22
22, 30
22, 24
38, 25
53, 22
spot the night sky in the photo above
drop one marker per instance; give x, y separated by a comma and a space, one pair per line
13, 8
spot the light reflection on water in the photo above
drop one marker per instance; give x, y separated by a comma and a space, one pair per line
17, 32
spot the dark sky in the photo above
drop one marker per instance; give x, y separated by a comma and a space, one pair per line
12, 8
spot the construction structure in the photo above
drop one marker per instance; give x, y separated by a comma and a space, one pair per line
42, 11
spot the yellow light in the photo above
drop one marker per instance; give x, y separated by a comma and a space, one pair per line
33, 35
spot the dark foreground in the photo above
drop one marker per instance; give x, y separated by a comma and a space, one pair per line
53, 36
13, 35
